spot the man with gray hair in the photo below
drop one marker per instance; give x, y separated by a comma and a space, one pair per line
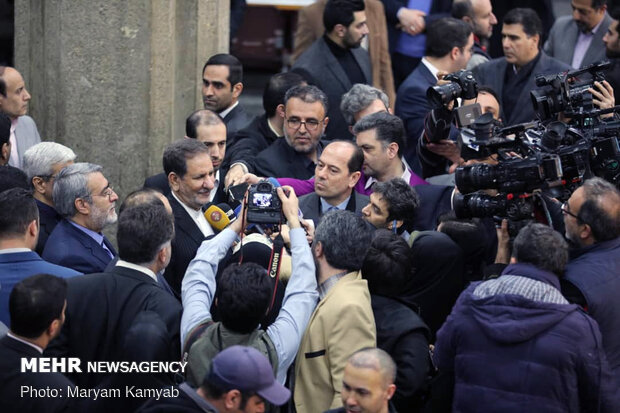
362, 100
343, 321
520, 325
592, 280
86, 201
305, 119
368, 382
42, 162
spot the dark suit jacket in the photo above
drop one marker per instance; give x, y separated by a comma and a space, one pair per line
102, 307
187, 239
434, 201
439, 9
236, 119
16, 266
493, 74
48, 219
73, 248
310, 27
563, 39
281, 161
412, 107
310, 205
248, 142
330, 77
159, 182
11, 381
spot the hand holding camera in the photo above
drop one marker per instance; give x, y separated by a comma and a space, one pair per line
290, 206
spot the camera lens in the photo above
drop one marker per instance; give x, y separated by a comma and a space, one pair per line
444, 94
477, 205
475, 177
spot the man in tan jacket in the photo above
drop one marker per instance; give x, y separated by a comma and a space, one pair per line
343, 321
310, 27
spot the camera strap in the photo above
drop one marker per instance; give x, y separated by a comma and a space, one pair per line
274, 265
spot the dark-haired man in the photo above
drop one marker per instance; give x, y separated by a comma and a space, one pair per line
343, 321
612, 52
520, 324
244, 294
207, 127
336, 174
187, 164
37, 307
514, 75
222, 84
336, 60
592, 225
577, 40
479, 14
102, 308
449, 45
19, 230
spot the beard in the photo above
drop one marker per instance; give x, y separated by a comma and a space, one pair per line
583, 28
613, 53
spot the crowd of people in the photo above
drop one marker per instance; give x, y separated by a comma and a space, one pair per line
365, 291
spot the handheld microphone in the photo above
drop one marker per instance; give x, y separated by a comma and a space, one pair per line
220, 216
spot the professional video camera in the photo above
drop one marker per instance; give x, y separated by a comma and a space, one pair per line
507, 205
563, 92
264, 206
462, 84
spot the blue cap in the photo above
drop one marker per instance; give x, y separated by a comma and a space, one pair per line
247, 370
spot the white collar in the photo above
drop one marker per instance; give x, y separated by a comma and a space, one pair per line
228, 109
14, 250
21, 340
406, 176
132, 266
430, 67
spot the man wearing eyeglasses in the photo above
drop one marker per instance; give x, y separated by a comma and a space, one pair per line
296, 156
592, 278
87, 203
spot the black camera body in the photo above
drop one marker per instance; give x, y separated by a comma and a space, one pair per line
264, 206
560, 93
462, 84
481, 205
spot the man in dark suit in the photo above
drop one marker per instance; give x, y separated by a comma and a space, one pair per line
222, 84
335, 176
578, 40
336, 61
85, 199
449, 45
207, 127
19, 228
37, 315
42, 162
190, 173
513, 76
295, 156
102, 308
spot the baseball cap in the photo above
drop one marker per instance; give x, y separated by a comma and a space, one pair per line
247, 370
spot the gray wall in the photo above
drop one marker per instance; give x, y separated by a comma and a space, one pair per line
114, 80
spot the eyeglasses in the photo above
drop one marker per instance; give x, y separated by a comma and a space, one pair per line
566, 211
311, 124
107, 192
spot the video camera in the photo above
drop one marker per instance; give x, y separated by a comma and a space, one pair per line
264, 206
561, 93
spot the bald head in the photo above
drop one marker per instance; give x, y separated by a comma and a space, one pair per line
145, 196
375, 359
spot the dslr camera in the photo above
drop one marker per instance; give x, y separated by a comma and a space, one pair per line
462, 84
264, 206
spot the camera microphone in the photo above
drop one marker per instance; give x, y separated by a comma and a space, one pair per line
220, 216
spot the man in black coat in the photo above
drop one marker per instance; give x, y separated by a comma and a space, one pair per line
612, 51
305, 119
191, 178
207, 127
34, 323
222, 84
102, 308
513, 76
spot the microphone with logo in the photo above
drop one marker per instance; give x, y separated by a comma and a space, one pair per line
220, 216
